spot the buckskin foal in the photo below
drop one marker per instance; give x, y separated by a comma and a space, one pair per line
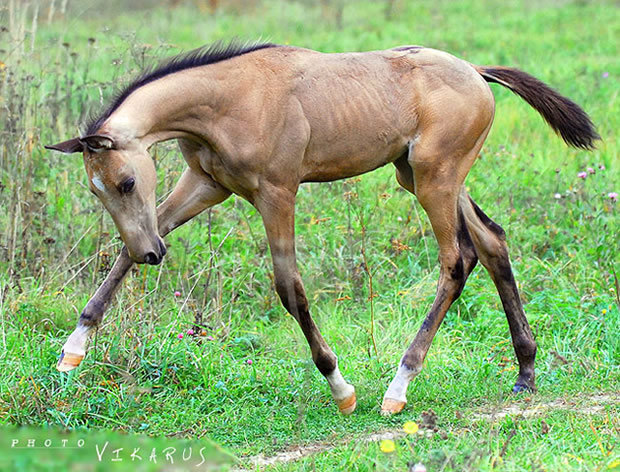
257, 120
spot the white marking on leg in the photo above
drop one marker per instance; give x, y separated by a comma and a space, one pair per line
76, 343
341, 390
398, 387
98, 183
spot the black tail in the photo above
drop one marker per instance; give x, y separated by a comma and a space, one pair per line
563, 115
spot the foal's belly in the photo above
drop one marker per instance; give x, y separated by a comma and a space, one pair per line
350, 159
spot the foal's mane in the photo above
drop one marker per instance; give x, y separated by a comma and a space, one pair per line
209, 54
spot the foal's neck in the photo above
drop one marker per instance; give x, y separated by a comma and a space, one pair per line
178, 105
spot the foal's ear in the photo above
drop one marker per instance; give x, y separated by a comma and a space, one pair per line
98, 142
68, 147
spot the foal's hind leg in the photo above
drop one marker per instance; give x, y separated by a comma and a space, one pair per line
277, 207
436, 181
457, 259
490, 243
194, 193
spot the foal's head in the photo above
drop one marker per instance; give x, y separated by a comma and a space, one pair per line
122, 176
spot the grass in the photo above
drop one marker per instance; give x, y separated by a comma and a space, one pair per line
56, 245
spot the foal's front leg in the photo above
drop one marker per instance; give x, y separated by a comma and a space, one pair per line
194, 193
277, 207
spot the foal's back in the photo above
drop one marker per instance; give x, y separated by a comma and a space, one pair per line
363, 109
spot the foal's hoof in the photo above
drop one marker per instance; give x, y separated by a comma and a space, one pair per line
391, 407
347, 406
68, 361
523, 388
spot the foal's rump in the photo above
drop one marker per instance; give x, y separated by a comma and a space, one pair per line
439, 69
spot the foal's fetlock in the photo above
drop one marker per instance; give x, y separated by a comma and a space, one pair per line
525, 384
93, 312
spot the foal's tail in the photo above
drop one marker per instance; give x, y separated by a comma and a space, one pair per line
563, 115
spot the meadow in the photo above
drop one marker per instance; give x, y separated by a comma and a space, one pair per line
244, 379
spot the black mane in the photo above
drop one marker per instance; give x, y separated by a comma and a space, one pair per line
202, 56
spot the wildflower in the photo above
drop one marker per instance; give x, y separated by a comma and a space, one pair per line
387, 446
605, 75
410, 427
190, 332
590, 170
177, 294
557, 196
613, 196
249, 362
180, 336
604, 311
582, 175
419, 467
210, 338
601, 166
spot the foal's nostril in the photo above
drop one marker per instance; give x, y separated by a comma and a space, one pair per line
162, 248
152, 258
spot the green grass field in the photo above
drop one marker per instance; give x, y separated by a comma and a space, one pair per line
139, 378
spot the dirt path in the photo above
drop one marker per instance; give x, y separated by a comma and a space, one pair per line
585, 405
588, 405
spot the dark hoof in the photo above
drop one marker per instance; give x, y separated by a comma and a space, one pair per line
522, 388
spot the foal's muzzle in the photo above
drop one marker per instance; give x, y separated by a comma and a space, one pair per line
154, 258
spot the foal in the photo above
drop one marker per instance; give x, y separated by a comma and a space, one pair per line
259, 120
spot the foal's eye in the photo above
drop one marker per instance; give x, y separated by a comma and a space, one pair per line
127, 185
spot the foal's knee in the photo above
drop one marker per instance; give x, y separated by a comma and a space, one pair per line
292, 295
